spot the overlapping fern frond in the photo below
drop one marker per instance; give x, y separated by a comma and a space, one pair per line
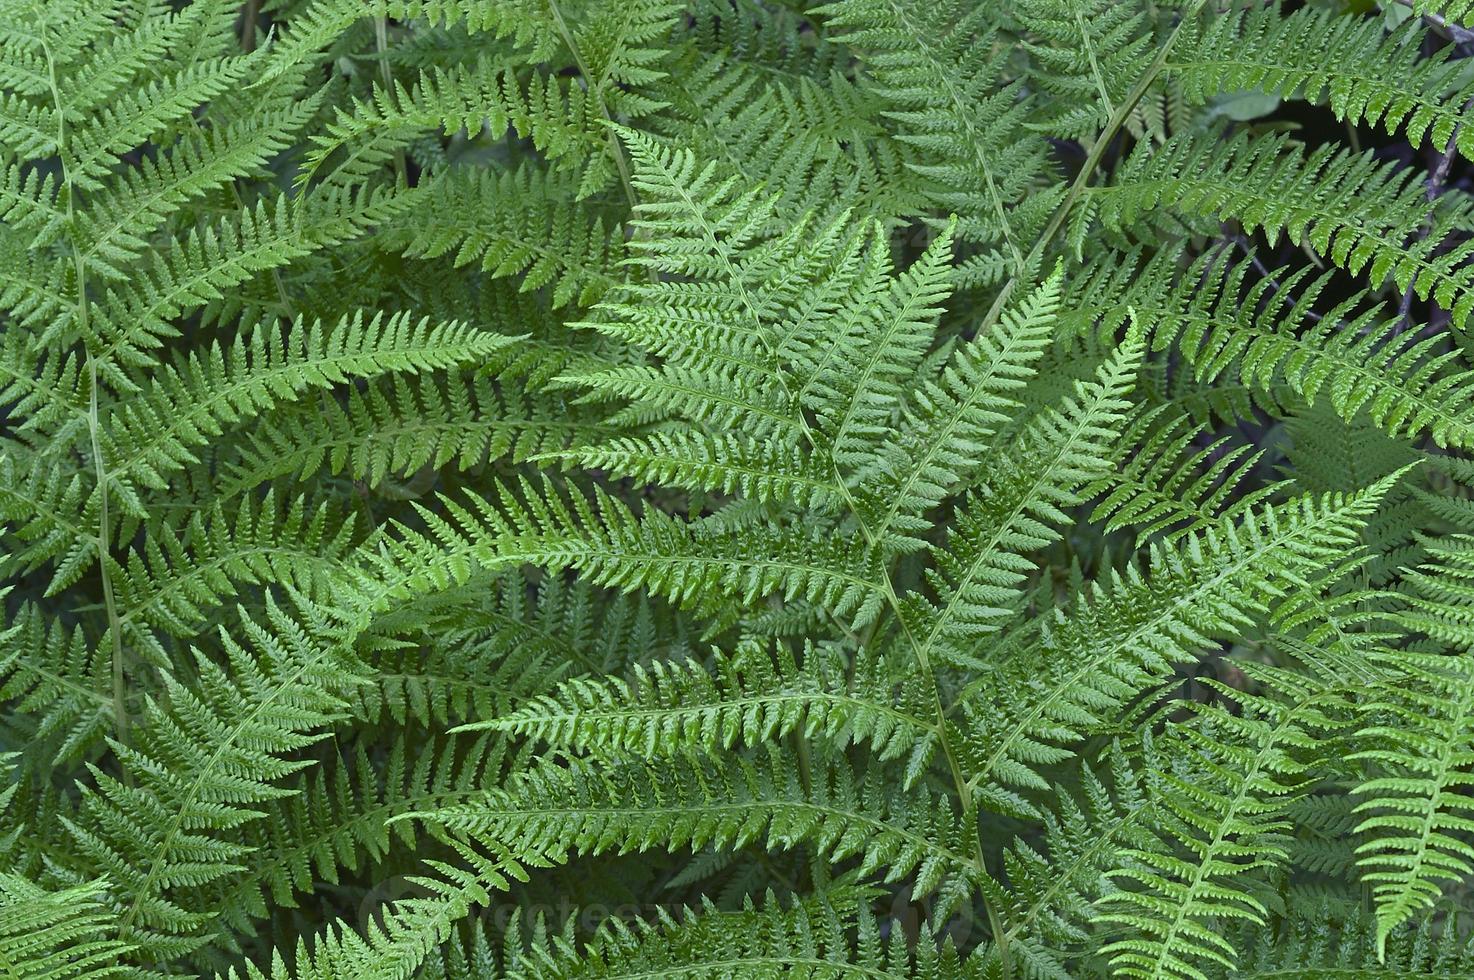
732, 488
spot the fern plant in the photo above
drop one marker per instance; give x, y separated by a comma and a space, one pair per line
549, 488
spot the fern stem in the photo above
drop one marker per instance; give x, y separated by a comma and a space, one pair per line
104, 540
94, 423
381, 50
960, 782
1457, 33
248, 25
1100, 85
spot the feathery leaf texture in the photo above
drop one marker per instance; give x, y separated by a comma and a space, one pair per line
557, 488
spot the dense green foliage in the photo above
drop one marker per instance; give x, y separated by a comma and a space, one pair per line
736, 488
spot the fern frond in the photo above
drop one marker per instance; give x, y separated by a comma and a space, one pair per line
1047, 904
178, 576
579, 808
57, 684
689, 563
944, 429
724, 464
67, 933
759, 301
407, 932
1084, 55
202, 757
860, 383
1123, 637
831, 938
560, 120
1264, 336
619, 50
1349, 63
939, 68
339, 821
1366, 216
521, 223
399, 423
1169, 484
314, 31
43, 506
200, 266
155, 433
475, 674
120, 219
1421, 727
749, 698
820, 147
1222, 799
981, 564
1326, 943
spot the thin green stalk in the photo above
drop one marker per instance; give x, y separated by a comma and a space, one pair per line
381, 50
94, 422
